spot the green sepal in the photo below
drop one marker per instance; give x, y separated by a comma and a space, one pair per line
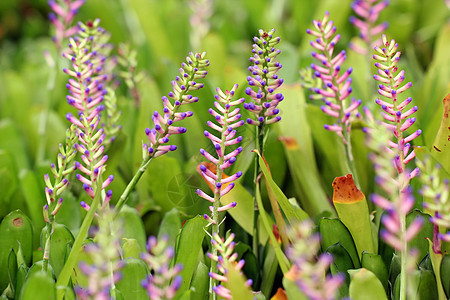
342, 262
38, 286
133, 272
131, 248
333, 231
15, 228
131, 225
60, 238
364, 285
375, 264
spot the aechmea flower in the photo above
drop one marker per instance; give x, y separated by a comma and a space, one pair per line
396, 113
368, 12
104, 253
127, 60
61, 173
436, 193
336, 87
225, 258
228, 119
93, 162
309, 270
87, 85
164, 123
264, 80
62, 15
164, 281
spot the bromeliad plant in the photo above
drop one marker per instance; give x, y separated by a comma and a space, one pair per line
94, 243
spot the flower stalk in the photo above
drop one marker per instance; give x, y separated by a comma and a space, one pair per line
159, 136
336, 87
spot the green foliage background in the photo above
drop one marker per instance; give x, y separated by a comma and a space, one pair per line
159, 31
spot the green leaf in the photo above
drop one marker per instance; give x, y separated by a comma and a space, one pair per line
365, 285
187, 249
427, 285
436, 261
297, 139
60, 238
441, 146
33, 196
342, 262
419, 241
291, 214
236, 285
375, 264
200, 282
445, 274
170, 226
15, 230
38, 286
133, 272
292, 290
333, 231
132, 225
131, 248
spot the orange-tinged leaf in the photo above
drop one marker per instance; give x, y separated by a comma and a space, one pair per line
345, 190
279, 295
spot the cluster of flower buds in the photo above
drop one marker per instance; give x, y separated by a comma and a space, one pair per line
159, 136
93, 161
60, 172
308, 270
228, 119
128, 62
336, 86
164, 281
397, 118
104, 254
435, 190
86, 53
62, 16
111, 126
225, 259
265, 79
368, 12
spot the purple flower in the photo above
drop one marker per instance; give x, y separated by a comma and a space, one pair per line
164, 123
264, 80
228, 119
396, 114
308, 270
164, 281
368, 12
93, 162
62, 16
87, 85
436, 193
226, 258
336, 85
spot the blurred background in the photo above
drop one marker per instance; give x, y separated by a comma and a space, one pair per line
33, 105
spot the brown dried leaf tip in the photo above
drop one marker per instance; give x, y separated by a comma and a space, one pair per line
345, 190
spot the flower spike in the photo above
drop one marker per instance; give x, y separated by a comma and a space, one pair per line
159, 136
264, 80
62, 16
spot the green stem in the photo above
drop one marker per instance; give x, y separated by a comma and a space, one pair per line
403, 258
67, 270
